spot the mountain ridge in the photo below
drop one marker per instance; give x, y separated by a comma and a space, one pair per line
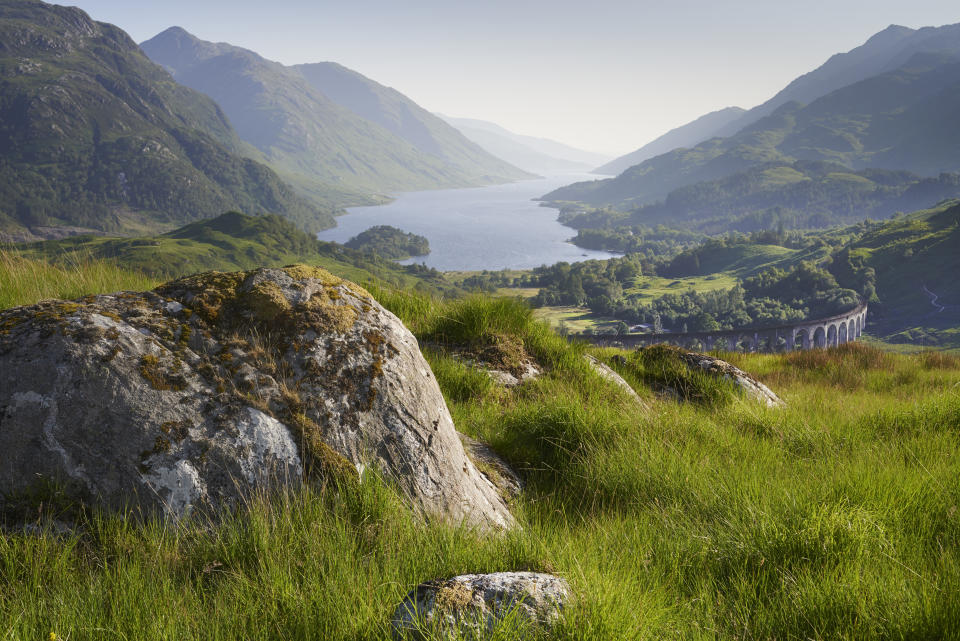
311, 138
688, 135
898, 120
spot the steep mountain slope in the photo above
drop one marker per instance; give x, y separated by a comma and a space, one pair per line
305, 135
884, 51
902, 119
540, 155
404, 118
687, 135
93, 134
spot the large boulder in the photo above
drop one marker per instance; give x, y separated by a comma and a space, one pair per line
471, 605
213, 386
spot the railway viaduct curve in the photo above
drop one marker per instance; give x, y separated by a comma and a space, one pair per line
808, 334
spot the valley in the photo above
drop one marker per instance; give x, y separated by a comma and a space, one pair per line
287, 354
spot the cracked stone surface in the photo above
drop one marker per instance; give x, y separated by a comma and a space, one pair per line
193, 395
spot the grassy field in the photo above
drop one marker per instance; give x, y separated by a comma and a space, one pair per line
651, 287
575, 319
834, 518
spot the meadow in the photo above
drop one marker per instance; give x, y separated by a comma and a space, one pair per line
711, 518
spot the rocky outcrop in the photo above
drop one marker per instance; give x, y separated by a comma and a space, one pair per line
749, 386
470, 605
191, 396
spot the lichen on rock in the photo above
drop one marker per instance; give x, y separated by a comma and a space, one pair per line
472, 605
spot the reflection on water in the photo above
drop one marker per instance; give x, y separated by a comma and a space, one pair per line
497, 227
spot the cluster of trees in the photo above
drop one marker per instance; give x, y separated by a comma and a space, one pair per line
597, 284
773, 297
650, 243
389, 242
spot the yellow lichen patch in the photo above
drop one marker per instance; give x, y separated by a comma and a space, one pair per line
153, 372
454, 596
325, 313
267, 301
320, 460
209, 291
303, 272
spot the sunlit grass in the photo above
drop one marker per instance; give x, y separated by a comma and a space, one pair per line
833, 518
25, 281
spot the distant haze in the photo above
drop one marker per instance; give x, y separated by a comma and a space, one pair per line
608, 77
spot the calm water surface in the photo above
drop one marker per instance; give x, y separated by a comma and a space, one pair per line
497, 227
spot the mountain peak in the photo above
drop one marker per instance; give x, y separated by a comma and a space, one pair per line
891, 34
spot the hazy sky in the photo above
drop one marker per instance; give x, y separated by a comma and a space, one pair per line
606, 75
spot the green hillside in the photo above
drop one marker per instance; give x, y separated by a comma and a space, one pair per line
899, 120
233, 242
799, 195
315, 142
916, 262
93, 134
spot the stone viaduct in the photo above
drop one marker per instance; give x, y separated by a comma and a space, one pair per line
823, 332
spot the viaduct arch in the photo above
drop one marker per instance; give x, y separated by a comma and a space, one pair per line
808, 334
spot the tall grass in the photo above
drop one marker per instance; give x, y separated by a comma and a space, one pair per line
24, 281
837, 517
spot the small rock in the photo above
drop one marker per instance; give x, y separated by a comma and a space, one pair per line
507, 379
493, 468
473, 604
751, 387
606, 372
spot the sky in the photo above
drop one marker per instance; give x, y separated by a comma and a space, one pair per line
605, 76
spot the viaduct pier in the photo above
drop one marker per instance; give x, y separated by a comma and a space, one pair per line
807, 334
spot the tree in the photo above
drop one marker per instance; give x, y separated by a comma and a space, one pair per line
657, 324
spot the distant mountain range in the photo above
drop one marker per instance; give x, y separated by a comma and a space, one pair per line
323, 124
884, 51
539, 155
94, 135
688, 135
899, 119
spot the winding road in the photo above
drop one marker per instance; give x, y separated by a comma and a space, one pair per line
933, 299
